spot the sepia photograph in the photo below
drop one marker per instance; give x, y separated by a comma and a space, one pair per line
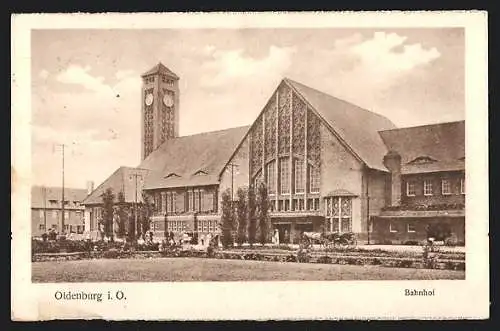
273, 153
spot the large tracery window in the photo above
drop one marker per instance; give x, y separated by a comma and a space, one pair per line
339, 214
299, 176
271, 177
314, 179
284, 176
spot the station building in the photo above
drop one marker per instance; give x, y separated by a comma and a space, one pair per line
328, 165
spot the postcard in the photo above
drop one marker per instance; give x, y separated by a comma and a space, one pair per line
262, 166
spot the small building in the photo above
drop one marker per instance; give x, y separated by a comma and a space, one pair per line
46, 210
129, 181
427, 183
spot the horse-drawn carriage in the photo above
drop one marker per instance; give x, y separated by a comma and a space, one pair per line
328, 240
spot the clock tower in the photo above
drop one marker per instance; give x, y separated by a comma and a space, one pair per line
160, 108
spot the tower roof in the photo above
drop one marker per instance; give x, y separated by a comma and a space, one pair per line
160, 68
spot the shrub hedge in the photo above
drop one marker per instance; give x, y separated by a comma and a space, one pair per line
351, 256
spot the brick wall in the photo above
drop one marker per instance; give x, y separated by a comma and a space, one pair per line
437, 197
382, 235
53, 219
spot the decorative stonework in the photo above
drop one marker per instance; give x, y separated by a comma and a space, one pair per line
270, 115
167, 118
257, 145
299, 113
284, 120
148, 124
313, 138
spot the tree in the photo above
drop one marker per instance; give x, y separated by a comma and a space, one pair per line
252, 213
146, 209
263, 213
227, 219
242, 214
131, 225
122, 213
108, 212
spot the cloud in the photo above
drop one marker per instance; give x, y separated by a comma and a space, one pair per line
78, 75
379, 53
227, 66
365, 70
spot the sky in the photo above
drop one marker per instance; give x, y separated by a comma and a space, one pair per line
86, 87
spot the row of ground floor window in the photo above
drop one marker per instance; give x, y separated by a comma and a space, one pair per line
383, 230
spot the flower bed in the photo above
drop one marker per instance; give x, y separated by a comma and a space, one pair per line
51, 251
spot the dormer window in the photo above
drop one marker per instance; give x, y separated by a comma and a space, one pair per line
172, 175
422, 160
200, 172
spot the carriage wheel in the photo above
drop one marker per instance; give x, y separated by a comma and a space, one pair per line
344, 243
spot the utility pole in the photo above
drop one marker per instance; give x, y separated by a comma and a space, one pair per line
135, 208
62, 200
44, 208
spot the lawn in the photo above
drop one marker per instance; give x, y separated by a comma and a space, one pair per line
198, 269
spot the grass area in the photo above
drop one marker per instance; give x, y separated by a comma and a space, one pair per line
194, 269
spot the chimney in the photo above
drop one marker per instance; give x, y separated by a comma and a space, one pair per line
392, 161
90, 187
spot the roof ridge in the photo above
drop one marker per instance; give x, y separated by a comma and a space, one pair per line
205, 133
336, 98
422, 126
104, 181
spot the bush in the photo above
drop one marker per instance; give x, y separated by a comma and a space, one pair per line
405, 263
412, 243
149, 246
324, 260
113, 253
291, 258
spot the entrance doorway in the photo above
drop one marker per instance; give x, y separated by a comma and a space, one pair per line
284, 232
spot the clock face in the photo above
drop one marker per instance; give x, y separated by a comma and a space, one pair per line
168, 100
149, 99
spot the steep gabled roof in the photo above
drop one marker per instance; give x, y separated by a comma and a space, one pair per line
356, 126
160, 68
41, 193
186, 155
123, 180
443, 142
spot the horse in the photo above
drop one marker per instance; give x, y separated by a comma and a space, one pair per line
310, 238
